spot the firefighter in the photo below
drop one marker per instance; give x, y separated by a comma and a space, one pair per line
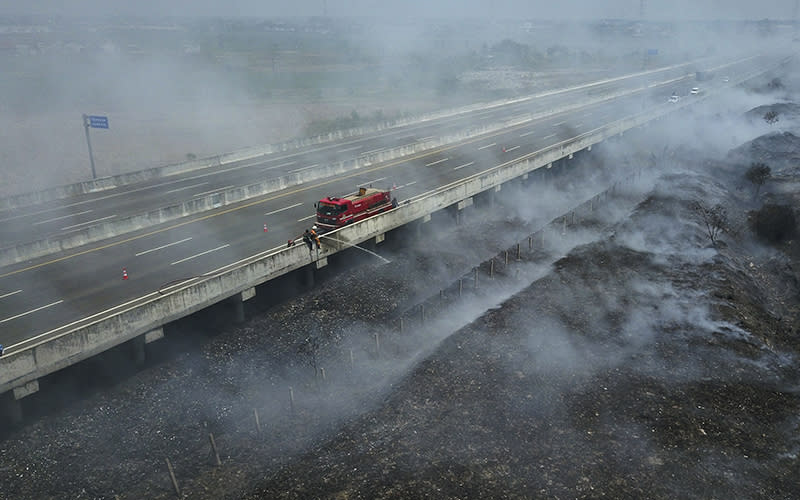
307, 240
315, 236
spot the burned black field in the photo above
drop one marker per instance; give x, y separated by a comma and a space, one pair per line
622, 373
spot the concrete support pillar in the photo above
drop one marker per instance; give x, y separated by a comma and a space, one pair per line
421, 224
137, 350
238, 308
27, 389
10, 408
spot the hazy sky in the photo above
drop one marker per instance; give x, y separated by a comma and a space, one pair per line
527, 9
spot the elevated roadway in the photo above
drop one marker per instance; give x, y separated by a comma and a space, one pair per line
59, 309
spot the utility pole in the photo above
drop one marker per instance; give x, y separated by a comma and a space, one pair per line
89, 144
93, 121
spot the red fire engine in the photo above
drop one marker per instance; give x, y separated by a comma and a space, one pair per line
333, 212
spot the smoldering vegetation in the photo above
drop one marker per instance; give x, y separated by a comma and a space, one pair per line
649, 363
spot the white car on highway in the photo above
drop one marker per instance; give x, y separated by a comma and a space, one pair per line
694, 91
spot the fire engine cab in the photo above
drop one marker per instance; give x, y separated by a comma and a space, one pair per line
333, 212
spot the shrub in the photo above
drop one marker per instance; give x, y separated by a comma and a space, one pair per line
774, 223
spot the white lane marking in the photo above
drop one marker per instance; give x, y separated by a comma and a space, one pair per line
411, 183
371, 151
436, 162
508, 150
488, 145
99, 198
62, 217
426, 138
549, 136
577, 125
30, 312
559, 123
213, 191
9, 294
464, 165
303, 168
186, 187
306, 218
164, 246
369, 183
345, 150
281, 165
527, 133
200, 254
87, 223
282, 209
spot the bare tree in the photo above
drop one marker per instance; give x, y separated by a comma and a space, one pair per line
715, 219
771, 117
757, 174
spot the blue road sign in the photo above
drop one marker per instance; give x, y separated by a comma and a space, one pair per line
652, 52
98, 121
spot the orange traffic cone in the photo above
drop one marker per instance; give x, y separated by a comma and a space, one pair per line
124, 273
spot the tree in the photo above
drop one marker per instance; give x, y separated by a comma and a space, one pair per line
715, 219
771, 117
757, 174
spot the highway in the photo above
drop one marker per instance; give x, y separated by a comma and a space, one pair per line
45, 296
61, 217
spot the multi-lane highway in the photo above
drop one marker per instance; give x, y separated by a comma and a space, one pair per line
61, 217
45, 296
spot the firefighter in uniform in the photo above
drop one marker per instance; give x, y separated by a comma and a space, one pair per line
307, 240
315, 236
